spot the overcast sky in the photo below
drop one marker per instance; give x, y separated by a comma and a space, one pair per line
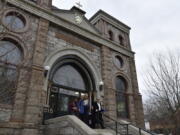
155, 24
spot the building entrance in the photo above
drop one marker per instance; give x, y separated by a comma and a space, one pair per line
69, 79
60, 99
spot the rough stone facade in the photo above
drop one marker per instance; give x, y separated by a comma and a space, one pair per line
49, 36
59, 40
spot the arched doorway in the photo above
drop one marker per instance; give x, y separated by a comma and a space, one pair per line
69, 78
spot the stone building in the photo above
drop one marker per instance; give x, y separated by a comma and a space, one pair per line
49, 56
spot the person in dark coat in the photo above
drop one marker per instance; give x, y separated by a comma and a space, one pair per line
86, 109
97, 114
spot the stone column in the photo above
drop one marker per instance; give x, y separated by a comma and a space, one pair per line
109, 93
138, 107
33, 110
131, 108
20, 97
139, 111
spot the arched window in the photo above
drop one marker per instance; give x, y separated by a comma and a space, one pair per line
111, 36
10, 58
121, 98
118, 61
70, 78
121, 40
69, 75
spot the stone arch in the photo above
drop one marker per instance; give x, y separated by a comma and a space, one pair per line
126, 79
126, 98
54, 56
20, 44
21, 14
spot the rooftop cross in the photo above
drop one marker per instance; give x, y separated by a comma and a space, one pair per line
79, 5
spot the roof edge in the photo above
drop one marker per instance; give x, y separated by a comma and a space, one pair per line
74, 8
109, 16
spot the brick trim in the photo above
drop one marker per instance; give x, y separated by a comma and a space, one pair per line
75, 41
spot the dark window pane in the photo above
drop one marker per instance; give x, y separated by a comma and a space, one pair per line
118, 62
63, 103
121, 98
121, 106
110, 35
10, 55
9, 52
8, 77
120, 84
14, 21
121, 40
69, 76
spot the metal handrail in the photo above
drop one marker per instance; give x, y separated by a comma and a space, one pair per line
140, 130
118, 124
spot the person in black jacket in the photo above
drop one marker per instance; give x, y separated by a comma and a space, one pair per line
97, 114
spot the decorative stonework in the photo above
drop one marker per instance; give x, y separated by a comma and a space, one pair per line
18, 13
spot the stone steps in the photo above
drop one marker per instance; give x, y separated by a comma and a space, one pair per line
71, 125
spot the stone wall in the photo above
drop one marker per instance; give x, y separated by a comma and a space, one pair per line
59, 40
109, 73
138, 106
25, 40
5, 114
103, 26
33, 113
109, 93
9, 131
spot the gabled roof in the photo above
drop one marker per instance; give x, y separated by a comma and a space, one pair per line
110, 19
70, 15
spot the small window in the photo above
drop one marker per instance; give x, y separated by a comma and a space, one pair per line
10, 58
15, 21
110, 35
121, 40
119, 62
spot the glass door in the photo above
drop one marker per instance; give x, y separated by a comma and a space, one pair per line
61, 98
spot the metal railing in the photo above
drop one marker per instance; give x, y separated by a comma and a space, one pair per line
118, 127
124, 129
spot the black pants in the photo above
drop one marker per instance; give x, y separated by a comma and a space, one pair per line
84, 118
97, 119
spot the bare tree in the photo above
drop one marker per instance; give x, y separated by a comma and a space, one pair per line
163, 84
